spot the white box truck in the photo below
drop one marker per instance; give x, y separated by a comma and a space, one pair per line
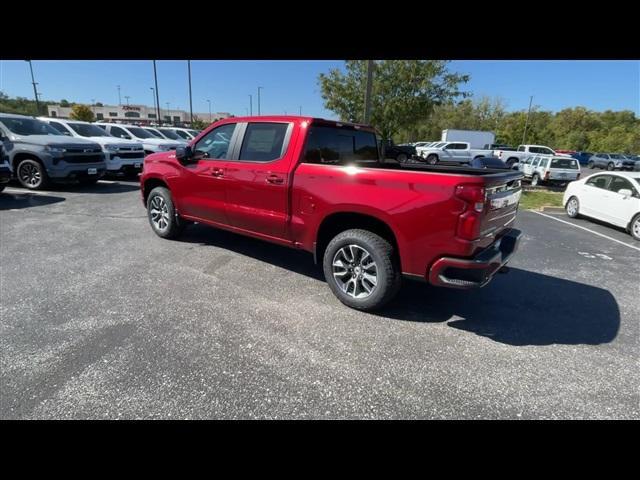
476, 138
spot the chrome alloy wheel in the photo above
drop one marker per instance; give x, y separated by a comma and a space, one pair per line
635, 228
159, 213
354, 271
572, 207
30, 174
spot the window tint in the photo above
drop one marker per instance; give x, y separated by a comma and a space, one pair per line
564, 163
215, 144
456, 146
544, 162
263, 141
61, 128
535, 162
182, 134
599, 181
340, 145
118, 132
618, 183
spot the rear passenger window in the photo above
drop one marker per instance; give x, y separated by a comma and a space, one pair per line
263, 142
599, 181
544, 162
335, 145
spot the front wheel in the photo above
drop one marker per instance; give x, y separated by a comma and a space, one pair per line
162, 214
591, 165
402, 158
361, 269
31, 174
432, 159
573, 207
610, 166
635, 227
535, 180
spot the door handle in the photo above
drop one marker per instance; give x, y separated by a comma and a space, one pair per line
217, 172
275, 179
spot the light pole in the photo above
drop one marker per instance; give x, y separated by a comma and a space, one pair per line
209, 102
259, 88
169, 112
119, 98
190, 101
526, 124
127, 97
155, 76
250, 105
35, 91
153, 100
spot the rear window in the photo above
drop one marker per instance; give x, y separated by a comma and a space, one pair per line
564, 163
334, 145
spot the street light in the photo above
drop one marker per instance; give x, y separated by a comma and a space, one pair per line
153, 100
127, 97
259, 88
35, 91
209, 102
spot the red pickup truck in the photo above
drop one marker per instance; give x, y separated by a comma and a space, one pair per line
323, 186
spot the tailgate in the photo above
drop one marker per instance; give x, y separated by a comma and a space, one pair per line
502, 197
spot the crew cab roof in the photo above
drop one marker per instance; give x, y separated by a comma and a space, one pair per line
297, 118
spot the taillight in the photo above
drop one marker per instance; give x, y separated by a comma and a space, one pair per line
469, 220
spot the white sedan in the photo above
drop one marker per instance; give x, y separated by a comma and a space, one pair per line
613, 197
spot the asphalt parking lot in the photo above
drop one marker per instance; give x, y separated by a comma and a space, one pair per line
100, 318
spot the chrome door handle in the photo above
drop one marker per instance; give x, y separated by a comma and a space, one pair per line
275, 179
217, 172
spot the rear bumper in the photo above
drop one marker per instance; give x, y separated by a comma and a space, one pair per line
475, 272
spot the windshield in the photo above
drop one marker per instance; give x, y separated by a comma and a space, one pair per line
169, 134
438, 145
87, 130
154, 132
564, 163
140, 132
28, 126
183, 135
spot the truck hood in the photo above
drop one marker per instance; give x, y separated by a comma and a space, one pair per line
121, 142
158, 141
61, 140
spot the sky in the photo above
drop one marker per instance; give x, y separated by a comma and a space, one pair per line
289, 85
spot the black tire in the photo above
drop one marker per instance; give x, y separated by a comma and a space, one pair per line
432, 159
401, 158
31, 174
174, 224
591, 165
511, 162
610, 166
634, 227
535, 180
387, 270
573, 211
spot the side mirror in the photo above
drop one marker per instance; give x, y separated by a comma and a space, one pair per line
184, 153
625, 192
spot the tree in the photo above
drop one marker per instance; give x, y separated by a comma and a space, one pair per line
81, 112
64, 103
402, 91
199, 124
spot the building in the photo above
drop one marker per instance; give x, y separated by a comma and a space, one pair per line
137, 114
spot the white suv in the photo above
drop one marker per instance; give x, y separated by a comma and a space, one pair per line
120, 155
150, 143
550, 169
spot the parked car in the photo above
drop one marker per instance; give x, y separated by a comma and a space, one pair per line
511, 157
322, 186
582, 157
541, 169
185, 133
121, 156
459, 152
150, 143
165, 136
499, 146
611, 161
39, 154
612, 197
488, 162
171, 134
397, 152
475, 138
5, 169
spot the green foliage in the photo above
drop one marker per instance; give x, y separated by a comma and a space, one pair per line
199, 124
571, 129
402, 91
81, 112
64, 103
21, 105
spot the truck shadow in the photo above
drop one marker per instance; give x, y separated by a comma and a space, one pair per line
519, 308
100, 187
15, 201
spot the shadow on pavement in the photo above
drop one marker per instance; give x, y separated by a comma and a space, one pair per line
100, 187
13, 201
518, 308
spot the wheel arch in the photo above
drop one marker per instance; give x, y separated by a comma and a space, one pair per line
20, 156
151, 183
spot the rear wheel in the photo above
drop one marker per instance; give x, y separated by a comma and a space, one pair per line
535, 180
31, 174
591, 165
610, 166
635, 227
573, 207
162, 214
361, 269
401, 158
511, 162
432, 159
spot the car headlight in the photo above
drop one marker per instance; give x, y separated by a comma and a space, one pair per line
111, 148
54, 151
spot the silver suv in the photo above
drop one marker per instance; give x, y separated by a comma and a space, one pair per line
38, 153
611, 161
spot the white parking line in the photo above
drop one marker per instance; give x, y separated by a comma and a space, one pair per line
588, 230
